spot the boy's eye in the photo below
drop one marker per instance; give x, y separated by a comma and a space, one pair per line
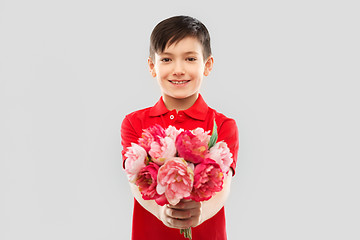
191, 59
165, 59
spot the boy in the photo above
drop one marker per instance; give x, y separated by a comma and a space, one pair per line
180, 55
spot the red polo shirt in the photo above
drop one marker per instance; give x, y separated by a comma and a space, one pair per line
145, 225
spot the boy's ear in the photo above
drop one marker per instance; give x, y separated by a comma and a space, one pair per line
151, 67
208, 65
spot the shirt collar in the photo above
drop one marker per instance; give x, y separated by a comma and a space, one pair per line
198, 110
158, 109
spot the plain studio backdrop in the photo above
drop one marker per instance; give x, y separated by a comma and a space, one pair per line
286, 71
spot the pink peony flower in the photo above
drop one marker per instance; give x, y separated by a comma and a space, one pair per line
190, 147
222, 156
147, 181
175, 179
202, 135
162, 150
135, 161
151, 134
208, 179
172, 132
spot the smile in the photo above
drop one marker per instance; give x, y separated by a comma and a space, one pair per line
179, 82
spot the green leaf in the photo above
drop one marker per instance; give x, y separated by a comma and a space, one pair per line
214, 136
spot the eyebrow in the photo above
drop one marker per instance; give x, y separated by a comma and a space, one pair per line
186, 53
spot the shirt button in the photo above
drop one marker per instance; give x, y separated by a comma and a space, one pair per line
171, 117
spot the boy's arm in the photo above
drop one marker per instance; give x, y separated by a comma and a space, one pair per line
229, 133
214, 204
149, 205
128, 136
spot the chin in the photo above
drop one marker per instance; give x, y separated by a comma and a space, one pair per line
182, 96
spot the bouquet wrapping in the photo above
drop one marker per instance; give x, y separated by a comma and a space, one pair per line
172, 164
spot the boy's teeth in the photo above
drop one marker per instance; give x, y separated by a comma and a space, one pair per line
179, 82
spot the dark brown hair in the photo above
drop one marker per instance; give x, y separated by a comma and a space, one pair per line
174, 29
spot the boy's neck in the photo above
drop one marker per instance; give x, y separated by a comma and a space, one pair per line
179, 104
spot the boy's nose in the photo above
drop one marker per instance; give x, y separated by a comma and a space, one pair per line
179, 69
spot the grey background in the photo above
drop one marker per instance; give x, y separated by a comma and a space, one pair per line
287, 71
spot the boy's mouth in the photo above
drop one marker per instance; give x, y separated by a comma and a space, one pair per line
179, 82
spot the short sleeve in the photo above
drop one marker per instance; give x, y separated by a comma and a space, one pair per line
128, 136
229, 133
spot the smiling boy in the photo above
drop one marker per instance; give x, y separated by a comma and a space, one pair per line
180, 56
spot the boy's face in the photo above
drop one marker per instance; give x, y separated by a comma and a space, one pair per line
180, 69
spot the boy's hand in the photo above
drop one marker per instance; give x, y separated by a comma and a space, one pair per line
185, 214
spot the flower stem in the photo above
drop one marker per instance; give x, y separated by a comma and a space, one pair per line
187, 233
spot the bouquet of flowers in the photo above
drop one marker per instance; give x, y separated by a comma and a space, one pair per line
173, 164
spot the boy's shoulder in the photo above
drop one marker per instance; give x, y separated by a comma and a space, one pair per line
140, 114
134, 121
156, 109
220, 117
